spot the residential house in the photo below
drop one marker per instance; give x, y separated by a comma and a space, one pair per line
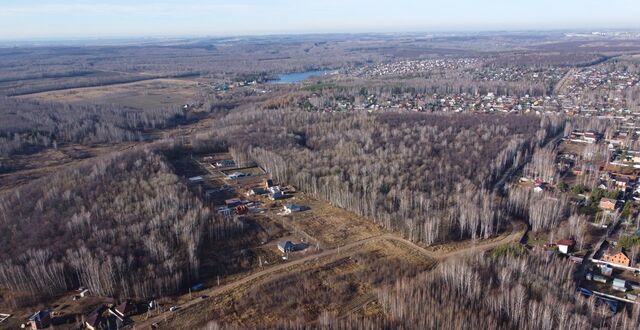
233, 202
608, 204
619, 258
291, 208
277, 195
225, 211
256, 191
237, 175
622, 182
225, 163
285, 247
95, 319
565, 246
606, 270
619, 285
40, 320
125, 309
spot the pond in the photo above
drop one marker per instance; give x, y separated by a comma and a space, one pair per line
296, 77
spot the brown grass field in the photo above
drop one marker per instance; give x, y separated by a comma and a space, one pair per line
157, 93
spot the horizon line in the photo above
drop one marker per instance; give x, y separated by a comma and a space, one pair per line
195, 36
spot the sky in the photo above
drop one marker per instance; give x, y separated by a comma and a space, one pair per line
68, 19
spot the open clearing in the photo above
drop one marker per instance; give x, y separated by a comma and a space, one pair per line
343, 283
148, 94
330, 226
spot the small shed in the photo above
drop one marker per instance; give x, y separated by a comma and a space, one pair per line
599, 278
196, 179
233, 202
606, 270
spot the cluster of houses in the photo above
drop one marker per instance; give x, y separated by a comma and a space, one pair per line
104, 317
408, 67
589, 137
237, 206
570, 98
110, 316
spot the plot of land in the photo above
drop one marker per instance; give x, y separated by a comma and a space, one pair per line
341, 284
143, 95
329, 225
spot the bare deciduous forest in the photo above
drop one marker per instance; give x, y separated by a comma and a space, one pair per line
430, 177
123, 225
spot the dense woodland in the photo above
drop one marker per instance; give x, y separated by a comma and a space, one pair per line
123, 225
430, 177
28, 124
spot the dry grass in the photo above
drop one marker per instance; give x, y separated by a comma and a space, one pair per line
28, 167
328, 225
342, 285
158, 93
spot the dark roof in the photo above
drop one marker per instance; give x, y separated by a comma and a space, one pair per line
124, 308
39, 315
568, 242
95, 317
285, 245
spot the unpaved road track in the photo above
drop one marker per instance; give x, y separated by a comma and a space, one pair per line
261, 276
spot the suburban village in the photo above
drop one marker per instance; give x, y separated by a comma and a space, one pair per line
598, 174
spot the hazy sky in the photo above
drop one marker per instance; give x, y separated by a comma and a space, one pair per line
27, 19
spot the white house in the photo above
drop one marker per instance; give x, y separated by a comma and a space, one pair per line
291, 208
565, 246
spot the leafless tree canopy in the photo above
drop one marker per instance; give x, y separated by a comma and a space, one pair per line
123, 225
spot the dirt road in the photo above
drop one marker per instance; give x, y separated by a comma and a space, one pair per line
480, 246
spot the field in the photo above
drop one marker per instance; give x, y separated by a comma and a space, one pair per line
143, 95
342, 285
22, 169
326, 224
